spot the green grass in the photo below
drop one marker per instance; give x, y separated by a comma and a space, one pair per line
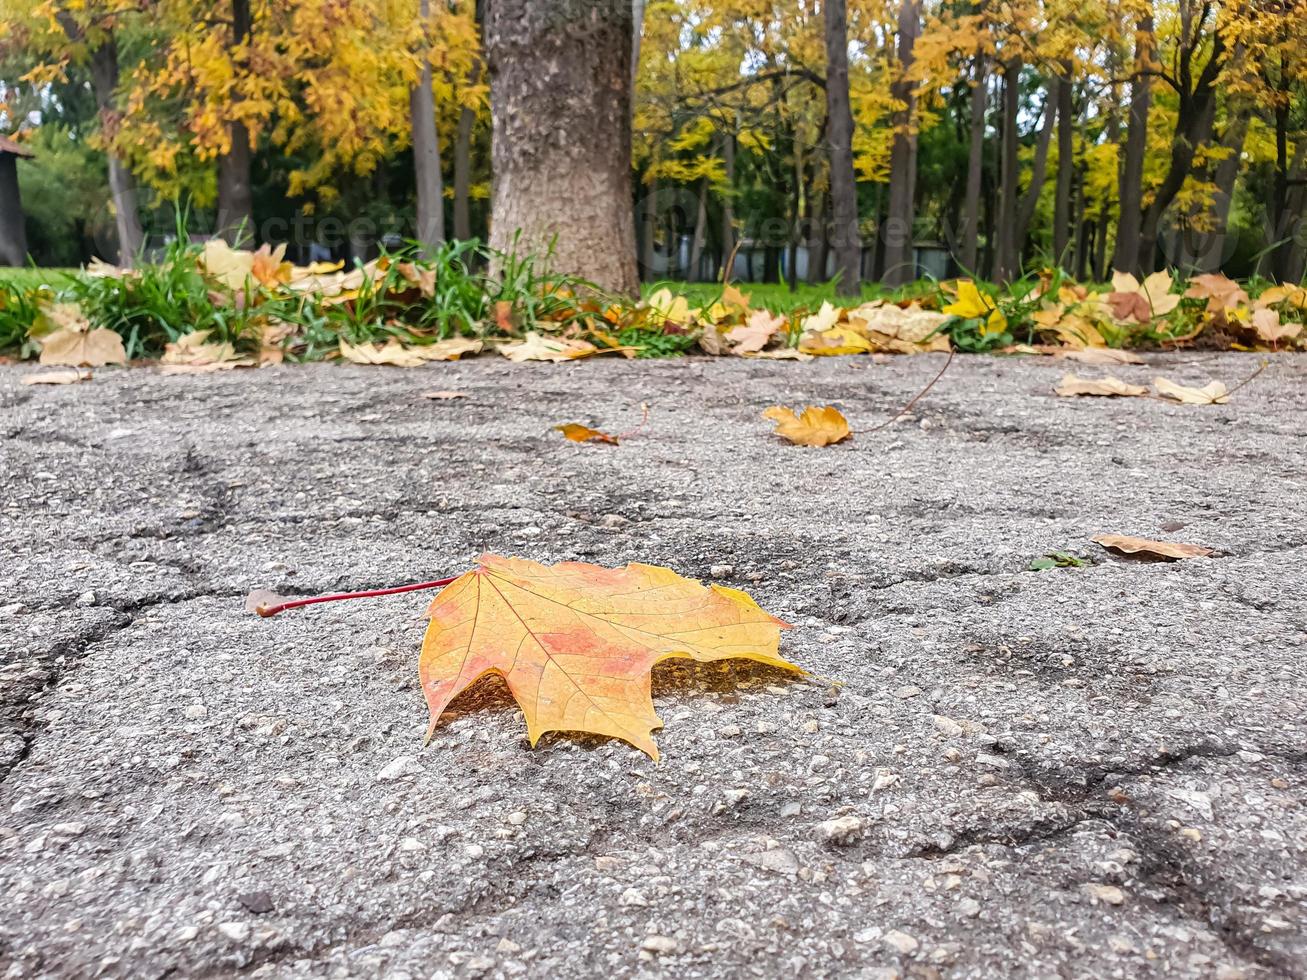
774, 296
31, 278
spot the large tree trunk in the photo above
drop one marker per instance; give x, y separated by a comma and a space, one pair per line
122, 187
1130, 194
843, 235
13, 231
560, 97
970, 230
235, 188
1062, 201
1006, 249
426, 151
900, 258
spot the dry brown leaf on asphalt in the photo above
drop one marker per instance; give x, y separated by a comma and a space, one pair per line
81, 346
1162, 550
394, 354
1212, 393
1102, 355
452, 348
815, 427
193, 353
583, 433
1108, 387
538, 348
783, 354
65, 376
443, 396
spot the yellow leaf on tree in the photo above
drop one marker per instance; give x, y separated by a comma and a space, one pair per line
575, 643
815, 427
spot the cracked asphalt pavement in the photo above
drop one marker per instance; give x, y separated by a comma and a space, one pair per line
1090, 772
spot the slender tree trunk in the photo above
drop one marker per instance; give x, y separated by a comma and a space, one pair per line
819, 241
844, 233
426, 151
235, 186
648, 230
1062, 201
1130, 196
728, 209
1006, 252
700, 233
1286, 260
970, 230
13, 231
1210, 247
900, 258
1038, 170
560, 97
122, 186
463, 172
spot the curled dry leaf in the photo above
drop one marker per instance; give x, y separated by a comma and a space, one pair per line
539, 348
65, 376
194, 354
815, 427
783, 354
1212, 393
1072, 386
582, 433
1162, 550
443, 396
262, 599
575, 643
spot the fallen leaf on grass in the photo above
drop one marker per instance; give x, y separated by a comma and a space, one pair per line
67, 376
582, 433
193, 353
451, 349
443, 396
1212, 393
835, 341
1071, 386
1131, 299
1221, 292
538, 348
815, 427
1155, 549
753, 336
575, 642
1266, 323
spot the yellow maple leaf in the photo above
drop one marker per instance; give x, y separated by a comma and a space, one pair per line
575, 643
583, 433
837, 340
972, 304
815, 427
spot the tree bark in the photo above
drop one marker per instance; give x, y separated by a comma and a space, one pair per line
844, 234
1006, 246
426, 152
970, 230
235, 188
560, 98
1062, 201
122, 186
1130, 195
900, 258
13, 229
